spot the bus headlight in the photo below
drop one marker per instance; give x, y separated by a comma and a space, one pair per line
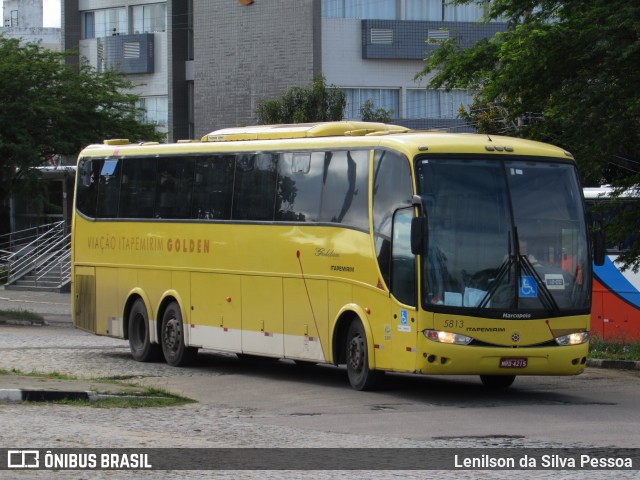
573, 338
447, 337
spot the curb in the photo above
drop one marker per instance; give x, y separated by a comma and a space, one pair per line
19, 395
11, 395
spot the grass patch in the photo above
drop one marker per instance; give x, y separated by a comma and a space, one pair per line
23, 315
623, 350
149, 398
127, 395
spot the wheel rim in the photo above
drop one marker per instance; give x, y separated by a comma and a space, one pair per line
356, 353
172, 334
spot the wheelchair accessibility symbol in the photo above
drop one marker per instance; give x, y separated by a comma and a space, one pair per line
528, 287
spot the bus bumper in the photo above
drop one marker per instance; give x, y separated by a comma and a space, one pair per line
441, 359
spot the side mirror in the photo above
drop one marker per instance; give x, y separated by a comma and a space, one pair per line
419, 235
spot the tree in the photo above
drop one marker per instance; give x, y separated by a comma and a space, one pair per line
318, 102
369, 114
565, 72
49, 107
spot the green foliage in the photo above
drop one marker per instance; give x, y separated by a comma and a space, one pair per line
317, 102
620, 350
50, 107
565, 73
567, 69
369, 114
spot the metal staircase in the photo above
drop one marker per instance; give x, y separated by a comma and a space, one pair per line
37, 258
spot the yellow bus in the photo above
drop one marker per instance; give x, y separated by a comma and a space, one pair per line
355, 243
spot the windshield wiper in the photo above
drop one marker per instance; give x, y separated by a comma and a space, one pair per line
497, 281
502, 272
545, 295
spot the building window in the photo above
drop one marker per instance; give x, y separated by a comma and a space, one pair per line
88, 25
155, 110
103, 23
462, 13
423, 10
387, 98
433, 10
423, 103
149, 18
379, 9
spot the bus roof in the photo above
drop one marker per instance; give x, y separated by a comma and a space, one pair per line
302, 130
334, 135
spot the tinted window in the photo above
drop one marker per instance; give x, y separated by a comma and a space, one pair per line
174, 187
345, 179
254, 190
87, 187
109, 189
392, 189
403, 263
213, 185
138, 188
299, 186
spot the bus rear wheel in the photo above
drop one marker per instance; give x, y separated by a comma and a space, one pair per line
176, 353
140, 344
497, 382
361, 376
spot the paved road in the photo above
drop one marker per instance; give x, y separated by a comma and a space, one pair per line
283, 405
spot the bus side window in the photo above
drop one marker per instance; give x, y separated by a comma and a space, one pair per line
87, 188
299, 186
344, 197
212, 189
254, 189
392, 189
138, 188
109, 189
403, 262
174, 187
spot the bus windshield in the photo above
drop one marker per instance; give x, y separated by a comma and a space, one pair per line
507, 238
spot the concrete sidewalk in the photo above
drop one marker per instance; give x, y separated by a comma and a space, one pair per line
54, 307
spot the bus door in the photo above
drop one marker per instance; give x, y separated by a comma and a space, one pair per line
403, 286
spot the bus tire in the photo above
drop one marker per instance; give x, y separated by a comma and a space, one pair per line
176, 353
497, 382
141, 347
360, 375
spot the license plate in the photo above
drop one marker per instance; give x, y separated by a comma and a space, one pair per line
513, 362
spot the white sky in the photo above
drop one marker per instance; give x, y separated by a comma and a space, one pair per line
51, 13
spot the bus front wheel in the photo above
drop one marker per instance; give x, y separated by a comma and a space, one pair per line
176, 353
497, 382
141, 347
361, 376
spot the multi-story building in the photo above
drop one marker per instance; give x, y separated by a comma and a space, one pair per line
206, 64
23, 19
